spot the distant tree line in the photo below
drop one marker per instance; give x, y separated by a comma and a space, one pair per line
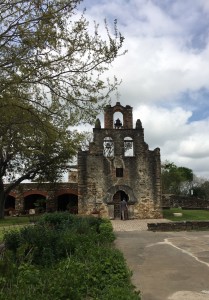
182, 181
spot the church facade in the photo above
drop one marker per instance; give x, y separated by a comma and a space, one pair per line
119, 165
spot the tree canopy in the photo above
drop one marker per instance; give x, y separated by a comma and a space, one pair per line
49, 57
176, 180
201, 188
52, 69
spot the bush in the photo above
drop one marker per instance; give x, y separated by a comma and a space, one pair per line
64, 257
106, 232
100, 276
57, 219
119, 293
41, 244
61, 220
12, 240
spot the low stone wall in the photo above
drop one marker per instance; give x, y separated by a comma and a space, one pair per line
184, 202
179, 226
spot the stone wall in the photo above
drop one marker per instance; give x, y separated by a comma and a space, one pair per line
171, 201
49, 191
179, 226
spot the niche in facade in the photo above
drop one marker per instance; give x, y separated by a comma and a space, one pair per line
128, 146
108, 149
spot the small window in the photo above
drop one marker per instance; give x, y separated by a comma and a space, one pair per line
119, 172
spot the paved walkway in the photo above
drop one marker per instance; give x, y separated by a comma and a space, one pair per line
165, 265
134, 225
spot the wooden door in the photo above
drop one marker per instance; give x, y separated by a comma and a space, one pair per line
117, 200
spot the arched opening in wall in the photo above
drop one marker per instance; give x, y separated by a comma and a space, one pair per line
118, 120
9, 205
117, 198
35, 201
128, 146
108, 147
68, 202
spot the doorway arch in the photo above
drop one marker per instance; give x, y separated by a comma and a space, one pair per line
33, 201
9, 205
117, 198
68, 202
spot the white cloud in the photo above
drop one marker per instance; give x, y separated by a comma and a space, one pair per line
168, 57
184, 143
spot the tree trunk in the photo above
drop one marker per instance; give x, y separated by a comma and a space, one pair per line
2, 199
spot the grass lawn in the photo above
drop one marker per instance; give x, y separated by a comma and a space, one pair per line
8, 221
187, 215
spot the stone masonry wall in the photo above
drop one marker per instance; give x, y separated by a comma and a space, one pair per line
50, 191
191, 202
179, 226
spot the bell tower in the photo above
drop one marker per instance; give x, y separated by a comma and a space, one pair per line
126, 112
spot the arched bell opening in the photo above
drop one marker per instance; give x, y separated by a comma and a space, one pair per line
118, 120
128, 147
108, 147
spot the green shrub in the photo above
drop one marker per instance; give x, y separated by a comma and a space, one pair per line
61, 220
57, 219
106, 232
64, 257
100, 276
12, 240
44, 244
119, 293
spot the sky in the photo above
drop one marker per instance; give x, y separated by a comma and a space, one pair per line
165, 73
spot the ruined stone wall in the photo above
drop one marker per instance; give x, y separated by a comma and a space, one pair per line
191, 202
179, 226
48, 190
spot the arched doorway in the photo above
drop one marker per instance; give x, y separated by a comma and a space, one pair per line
35, 201
68, 202
117, 198
9, 204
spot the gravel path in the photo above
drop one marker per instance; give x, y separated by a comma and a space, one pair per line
134, 225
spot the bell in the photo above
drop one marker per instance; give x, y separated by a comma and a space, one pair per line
118, 123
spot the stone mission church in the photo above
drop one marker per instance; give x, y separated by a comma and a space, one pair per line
119, 165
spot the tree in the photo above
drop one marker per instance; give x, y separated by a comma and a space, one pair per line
51, 70
49, 58
32, 147
201, 188
176, 180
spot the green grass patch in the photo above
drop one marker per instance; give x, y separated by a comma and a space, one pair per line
187, 215
8, 221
